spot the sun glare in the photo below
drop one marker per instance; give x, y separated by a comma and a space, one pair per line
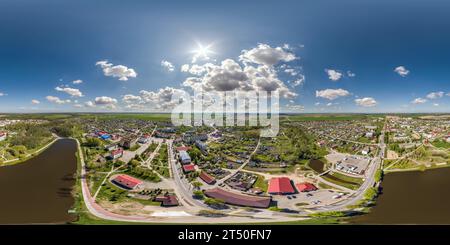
202, 52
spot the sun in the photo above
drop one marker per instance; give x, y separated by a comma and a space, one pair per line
202, 52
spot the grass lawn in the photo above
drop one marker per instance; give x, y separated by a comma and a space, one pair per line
441, 144
261, 183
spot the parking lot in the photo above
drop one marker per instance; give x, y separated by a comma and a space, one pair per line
308, 199
349, 164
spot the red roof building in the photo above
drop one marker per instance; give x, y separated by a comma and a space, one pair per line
280, 186
210, 180
183, 148
116, 153
188, 168
239, 199
126, 181
305, 187
167, 200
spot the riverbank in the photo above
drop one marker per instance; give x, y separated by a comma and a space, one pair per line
417, 169
29, 155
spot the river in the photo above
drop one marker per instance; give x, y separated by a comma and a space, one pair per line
412, 198
39, 189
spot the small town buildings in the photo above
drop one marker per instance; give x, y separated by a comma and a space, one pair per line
169, 200
126, 181
305, 187
184, 157
3, 136
111, 147
188, 168
208, 179
128, 143
280, 186
183, 148
202, 146
116, 153
144, 139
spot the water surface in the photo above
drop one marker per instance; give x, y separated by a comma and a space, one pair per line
39, 190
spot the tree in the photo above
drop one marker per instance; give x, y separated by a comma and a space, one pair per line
197, 184
93, 142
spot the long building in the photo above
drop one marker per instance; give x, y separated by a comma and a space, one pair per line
239, 199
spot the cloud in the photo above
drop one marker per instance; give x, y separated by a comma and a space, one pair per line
195, 69
167, 65
366, 102
263, 54
299, 81
120, 71
435, 95
332, 94
402, 71
435, 104
77, 81
350, 74
185, 68
35, 102
78, 105
129, 99
56, 100
105, 100
333, 75
161, 99
89, 104
231, 76
291, 71
294, 107
418, 101
71, 91
2, 94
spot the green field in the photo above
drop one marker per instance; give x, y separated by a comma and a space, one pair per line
326, 117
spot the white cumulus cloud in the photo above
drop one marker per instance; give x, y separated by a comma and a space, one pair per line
77, 81
366, 102
56, 100
332, 94
74, 92
120, 71
435, 95
167, 65
333, 75
263, 54
35, 102
105, 100
418, 101
402, 71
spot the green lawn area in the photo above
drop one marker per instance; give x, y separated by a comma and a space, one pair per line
348, 178
261, 183
441, 144
348, 184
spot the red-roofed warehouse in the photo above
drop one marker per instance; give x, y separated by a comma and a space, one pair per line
280, 186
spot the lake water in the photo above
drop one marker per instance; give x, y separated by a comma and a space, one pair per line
39, 190
412, 198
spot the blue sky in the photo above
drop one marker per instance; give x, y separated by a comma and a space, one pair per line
46, 45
